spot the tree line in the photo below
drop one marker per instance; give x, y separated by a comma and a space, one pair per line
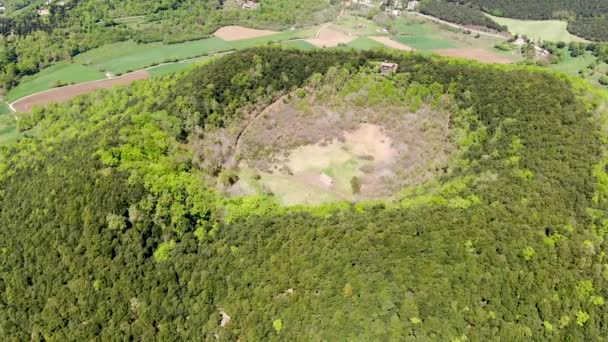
459, 14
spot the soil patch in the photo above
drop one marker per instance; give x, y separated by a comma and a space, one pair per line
231, 33
69, 92
331, 38
392, 44
480, 55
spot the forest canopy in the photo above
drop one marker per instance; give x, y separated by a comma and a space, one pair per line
112, 226
459, 14
586, 18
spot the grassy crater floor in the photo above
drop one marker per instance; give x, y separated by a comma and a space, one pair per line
322, 146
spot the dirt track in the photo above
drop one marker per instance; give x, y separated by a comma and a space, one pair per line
66, 93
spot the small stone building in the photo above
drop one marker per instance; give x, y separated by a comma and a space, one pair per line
388, 68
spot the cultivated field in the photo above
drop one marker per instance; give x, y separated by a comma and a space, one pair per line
549, 30
123, 57
231, 33
69, 92
363, 43
331, 38
61, 73
479, 55
391, 43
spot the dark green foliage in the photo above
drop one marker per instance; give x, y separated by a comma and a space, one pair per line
459, 14
108, 232
591, 28
543, 9
587, 18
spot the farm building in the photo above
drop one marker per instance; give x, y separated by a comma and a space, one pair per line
386, 67
250, 4
411, 6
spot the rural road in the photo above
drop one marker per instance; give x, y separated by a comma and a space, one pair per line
455, 25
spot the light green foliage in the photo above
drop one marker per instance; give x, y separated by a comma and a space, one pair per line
415, 320
584, 288
162, 251
581, 318
597, 300
528, 253
548, 326
277, 324
116, 222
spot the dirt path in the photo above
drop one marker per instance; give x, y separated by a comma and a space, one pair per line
230, 161
239, 138
464, 28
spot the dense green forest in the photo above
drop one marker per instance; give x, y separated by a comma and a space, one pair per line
112, 229
460, 14
595, 29
586, 18
29, 42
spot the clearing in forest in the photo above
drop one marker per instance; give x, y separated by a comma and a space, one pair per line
549, 30
479, 55
391, 43
231, 33
331, 38
312, 150
67, 93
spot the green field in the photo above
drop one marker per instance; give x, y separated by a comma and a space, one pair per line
572, 65
549, 30
357, 26
129, 56
364, 43
300, 44
175, 67
120, 58
48, 78
422, 35
8, 131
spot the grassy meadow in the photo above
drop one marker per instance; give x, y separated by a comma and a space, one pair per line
50, 77
549, 30
123, 57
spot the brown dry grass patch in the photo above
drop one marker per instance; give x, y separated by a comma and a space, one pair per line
479, 55
330, 38
231, 33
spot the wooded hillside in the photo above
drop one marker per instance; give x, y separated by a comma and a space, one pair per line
109, 229
586, 17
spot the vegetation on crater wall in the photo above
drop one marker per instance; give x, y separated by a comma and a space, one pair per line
525, 260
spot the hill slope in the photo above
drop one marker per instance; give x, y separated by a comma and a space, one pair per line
112, 224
